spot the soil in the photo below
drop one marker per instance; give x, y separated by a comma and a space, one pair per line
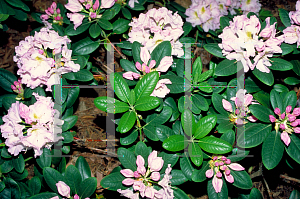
91, 125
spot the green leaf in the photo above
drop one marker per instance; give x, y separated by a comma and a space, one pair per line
197, 69
229, 136
7, 79
261, 112
217, 102
187, 27
204, 126
146, 85
160, 51
179, 84
227, 67
19, 163
120, 26
187, 121
161, 118
87, 187
163, 132
284, 17
69, 122
242, 179
127, 158
200, 102
205, 75
7, 166
296, 66
294, 148
127, 121
177, 177
224, 21
168, 159
136, 49
126, 13
106, 25
114, 105
178, 193
294, 195
290, 99
84, 47
212, 192
186, 166
266, 78
120, 87
276, 101
146, 103
45, 195
253, 135
280, 88
286, 48
11, 191
238, 154
130, 138
108, 14
94, 30
70, 31
18, 4
175, 143
280, 64
224, 126
263, 98
213, 48
215, 145
81, 60
113, 181
83, 167
195, 153
73, 178
199, 175
255, 194
128, 65
150, 132
44, 160
272, 150
20, 15
52, 177
142, 149
250, 86
291, 81
34, 185
6, 9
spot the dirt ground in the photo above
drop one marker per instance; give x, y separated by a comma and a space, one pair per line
91, 125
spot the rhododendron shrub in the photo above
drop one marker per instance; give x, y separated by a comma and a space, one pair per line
178, 117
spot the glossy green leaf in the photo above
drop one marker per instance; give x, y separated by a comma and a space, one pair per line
83, 167
187, 121
146, 85
163, 132
105, 24
169, 158
146, 103
175, 143
110, 105
113, 181
35, 185
129, 139
69, 122
284, 17
120, 87
242, 179
195, 153
227, 67
44, 160
73, 178
200, 102
229, 136
127, 121
261, 112
178, 193
213, 48
87, 187
215, 145
19, 163
295, 194
276, 101
128, 65
160, 51
204, 126
266, 78
70, 31
197, 69
84, 47
291, 80
150, 132
45, 195
199, 175
52, 177
7, 79
280, 64
179, 84
18, 4
120, 26
186, 166
142, 149
12, 189
177, 177
127, 158
294, 148
136, 49
290, 99
217, 102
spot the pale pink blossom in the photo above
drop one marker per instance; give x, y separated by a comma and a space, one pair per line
74, 6
63, 189
107, 3
161, 90
165, 64
226, 105
285, 138
76, 18
131, 3
96, 5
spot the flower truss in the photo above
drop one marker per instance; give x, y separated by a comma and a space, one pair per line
207, 13
36, 66
31, 127
155, 26
241, 41
292, 33
17, 88
161, 90
142, 180
218, 164
242, 101
87, 8
53, 13
287, 122
64, 190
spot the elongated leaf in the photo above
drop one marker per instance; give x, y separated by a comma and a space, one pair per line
45, 195
178, 193
199, 175
120, 86
294, 148
229, 136
242, 179
83, 167
186, 166
294, 195
142, 149
177, 177
253, 135
187, 121
136, 49
179, 84
146, 85
150, 132
284, 17
85, 46
212, 144
227, 67
160, 51
147, 103
52, 177
130, 138
213, 48
127, 158
163, 132
280, 64
105, 24
35, 185
197, 69
127, 121
120, 26
18, 4
128, 65
44, 160
114, 105
261, 112
272, 150
195, 153
87, 187
174, 143
113, 181
266, 78
200, 102
19, 163
217, 102
276, 101
70, 31
169, 158
7, 79
94, 30
73, 178
204, 126
290, 99
255, 194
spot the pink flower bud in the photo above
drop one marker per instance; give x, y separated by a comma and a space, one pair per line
282, 126
223, 167
277, 111
227, 171
63, 189
236, 167
53, 6
297, 130
128, 181
93, 15
223, 158
152, 63
226, 105
272, 118
216, 164
288, 109
219, 174
107, 3
221, 163
229, 178
209, 173
41, 51
51, 10
282, 116
155, 176
141, 170
295, 123
296, 111
165, 64
291, 117
87, 6
215, 158
13, 87
228, 161
58, 11
237, 111
140, 162
285, 138
76, 196
217, 184
155, 163
127, 173
45, 17
149, 192
136, 174
96, 5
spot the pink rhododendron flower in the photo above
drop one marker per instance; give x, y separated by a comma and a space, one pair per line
107, 3
161, 90
35, 67
220, 164
52, 13
76, 18
155, 26
140, 180
41, 124
63, 189
74, 6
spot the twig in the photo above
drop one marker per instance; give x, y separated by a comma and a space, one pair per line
267, 186
289, 178
104, 151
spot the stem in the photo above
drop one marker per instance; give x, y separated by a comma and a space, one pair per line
139, 126
28, 159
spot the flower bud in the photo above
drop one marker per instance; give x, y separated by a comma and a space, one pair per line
58, 11
297, 130
282, 126
282, 116
155, 176
219, 174
227, 171
215, 158
228, 161
277, 111
288, 109
87, 6
226, 105
96, 5
272, 118
136, 174
63, 189
291, 117
296, 111
295, 123
221, 163
209, 173
216, 164
155, 163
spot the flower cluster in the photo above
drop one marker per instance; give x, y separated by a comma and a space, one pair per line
287, 122
242, 41
292, 33
218, 164
31, 127
17, 88
64, 190
53, 13
36, 67
88, 7
161, 90
207, 13
142, 179
242, 101
155, 26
